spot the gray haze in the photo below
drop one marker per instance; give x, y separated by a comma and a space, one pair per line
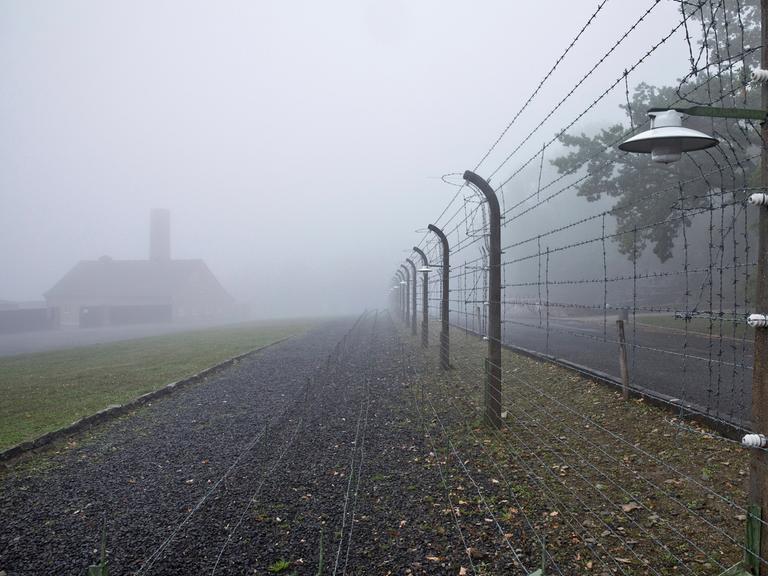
298, 144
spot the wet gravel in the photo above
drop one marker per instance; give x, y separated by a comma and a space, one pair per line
312, 448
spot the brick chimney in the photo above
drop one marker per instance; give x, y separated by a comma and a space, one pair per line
160, 235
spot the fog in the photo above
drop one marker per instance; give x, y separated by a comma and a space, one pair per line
298, 145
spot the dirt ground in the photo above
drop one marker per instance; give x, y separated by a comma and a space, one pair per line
601, 485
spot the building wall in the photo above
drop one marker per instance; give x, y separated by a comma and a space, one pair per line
28, 320
81, 313
95, 316
69, 312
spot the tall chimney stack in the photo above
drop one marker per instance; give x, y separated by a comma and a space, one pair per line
160, 235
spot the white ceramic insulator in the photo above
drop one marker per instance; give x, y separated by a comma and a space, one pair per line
754, 441
758, 320
758, 199
759, 75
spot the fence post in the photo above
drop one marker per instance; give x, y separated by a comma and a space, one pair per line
424, 298
445, 344
407, 311
413, 296
486, 381
400, 281
623, 316
493, 395
758, 465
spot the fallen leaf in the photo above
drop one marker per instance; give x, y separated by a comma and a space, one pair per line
474, 553
630, 507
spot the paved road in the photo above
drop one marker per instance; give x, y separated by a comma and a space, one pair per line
713, 373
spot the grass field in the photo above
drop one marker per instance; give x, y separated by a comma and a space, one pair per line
698, 325
42, 392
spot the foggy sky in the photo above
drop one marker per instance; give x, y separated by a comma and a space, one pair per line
297, 144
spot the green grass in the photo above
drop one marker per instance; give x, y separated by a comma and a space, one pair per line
42, 392
279, 566
698, 325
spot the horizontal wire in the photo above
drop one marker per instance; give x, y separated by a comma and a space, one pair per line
533, 453
624, 36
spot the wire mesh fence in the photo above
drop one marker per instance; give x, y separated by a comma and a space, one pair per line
671, 247
604, 252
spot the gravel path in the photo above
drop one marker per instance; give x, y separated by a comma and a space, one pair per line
310, 448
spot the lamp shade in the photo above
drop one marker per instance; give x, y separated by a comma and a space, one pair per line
667, 139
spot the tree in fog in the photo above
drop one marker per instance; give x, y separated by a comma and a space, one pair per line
651, 197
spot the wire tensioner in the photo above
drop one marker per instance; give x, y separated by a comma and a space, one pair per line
758, 199
754, 441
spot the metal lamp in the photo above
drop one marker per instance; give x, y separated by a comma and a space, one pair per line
667, 139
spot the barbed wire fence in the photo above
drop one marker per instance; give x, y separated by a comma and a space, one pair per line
669, 253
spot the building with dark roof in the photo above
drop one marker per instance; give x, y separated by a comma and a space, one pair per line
108, 292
